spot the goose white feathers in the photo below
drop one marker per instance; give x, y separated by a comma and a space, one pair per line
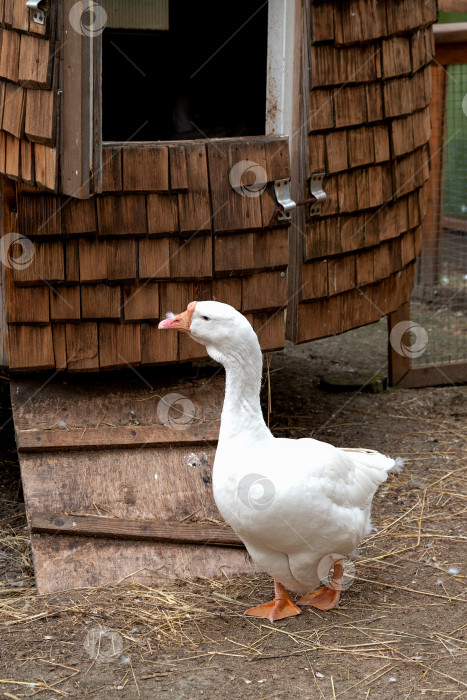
292, 502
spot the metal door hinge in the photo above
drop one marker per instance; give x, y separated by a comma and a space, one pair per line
316, 189
282, 191
37, 13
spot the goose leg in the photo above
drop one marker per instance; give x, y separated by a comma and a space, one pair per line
327, 597
282, 606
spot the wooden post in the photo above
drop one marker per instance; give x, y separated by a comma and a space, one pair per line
398, 365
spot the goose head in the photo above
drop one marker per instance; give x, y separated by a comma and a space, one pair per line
224, 331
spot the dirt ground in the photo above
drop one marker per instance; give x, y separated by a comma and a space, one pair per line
399, 631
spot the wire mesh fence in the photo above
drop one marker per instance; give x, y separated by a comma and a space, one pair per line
439, 299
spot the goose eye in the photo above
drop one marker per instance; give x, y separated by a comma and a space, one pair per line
205, 318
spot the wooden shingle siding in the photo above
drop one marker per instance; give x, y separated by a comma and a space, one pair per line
369, 127
107, 269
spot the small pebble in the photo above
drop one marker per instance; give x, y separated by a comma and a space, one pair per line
319, 675
392, 679
275, 677
453, 570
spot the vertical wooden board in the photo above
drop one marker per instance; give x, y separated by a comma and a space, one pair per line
194, 207
350, 106
39, 215
361, 20
381, 143
145, 168
13, 113
341, 274
46, 264
190, 257
12, 157
46, 167
39, 125
398, 97
234, 252
314, 280
374, 101
316, 153
72, 261
79, 216
324, 65
27, 162
270, 249
402, 136
59, 341
396, 56
407, 248
9, 55
65, 304
314, 320
336, 151
322, 27
228, 291
100, 301
3, 85
119, 344
124, 214
361, 146
351, 232
121, 259
347, 191
112, 180
321, 110
158, 347
365, 267
82, 349
403, 15
17, 14
238, 176
264, 290
382, 261
27, 304
154, 258
399, 364
141, 301
178, 171
35, 62
2, 152
320, 235
92, 261
162, 213
30, 347
331, 187
270, 328
369, 182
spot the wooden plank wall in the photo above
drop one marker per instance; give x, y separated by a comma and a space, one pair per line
28, 96
169, 229
369, 131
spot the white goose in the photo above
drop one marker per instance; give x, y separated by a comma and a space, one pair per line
294, 503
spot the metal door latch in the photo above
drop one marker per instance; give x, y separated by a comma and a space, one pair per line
282, 191
37, 13
316, 190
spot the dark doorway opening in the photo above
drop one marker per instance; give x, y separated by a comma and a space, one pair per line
203, 78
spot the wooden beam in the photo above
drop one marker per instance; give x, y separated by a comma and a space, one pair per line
142, 530
443, 373
450, 33
399, 364
452, 5
80, 127
33, 440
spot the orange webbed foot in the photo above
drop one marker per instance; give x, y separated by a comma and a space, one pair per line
327, 597
277, 609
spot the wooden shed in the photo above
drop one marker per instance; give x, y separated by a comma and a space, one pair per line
153, 154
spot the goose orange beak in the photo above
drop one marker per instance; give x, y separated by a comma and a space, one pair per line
182, 322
